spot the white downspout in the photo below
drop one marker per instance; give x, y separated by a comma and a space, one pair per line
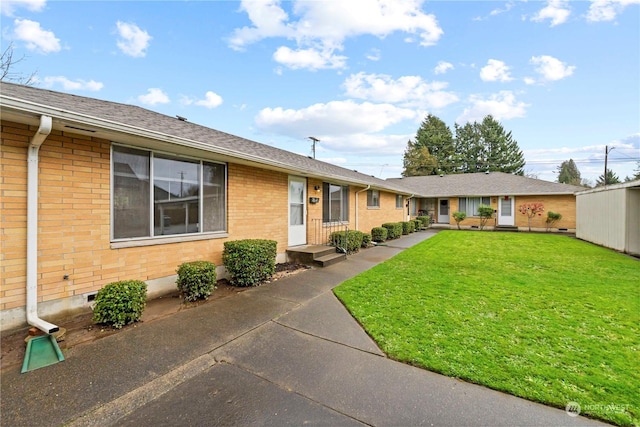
32, 227
357, 216
409, 206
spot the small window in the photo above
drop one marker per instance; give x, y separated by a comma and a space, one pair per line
373, 198
335, 203
399, 200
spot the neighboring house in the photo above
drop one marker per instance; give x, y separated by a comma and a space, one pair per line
96, 191
442, 195
610, 216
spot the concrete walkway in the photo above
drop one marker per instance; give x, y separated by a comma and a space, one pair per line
286, 353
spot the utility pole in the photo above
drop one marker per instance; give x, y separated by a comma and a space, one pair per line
313, 146
606, 157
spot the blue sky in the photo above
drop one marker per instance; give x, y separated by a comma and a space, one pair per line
562, 76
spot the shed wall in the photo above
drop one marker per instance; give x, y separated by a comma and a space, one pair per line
601, 218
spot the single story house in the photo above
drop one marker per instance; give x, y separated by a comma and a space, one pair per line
442, 195
610, 216
96, 191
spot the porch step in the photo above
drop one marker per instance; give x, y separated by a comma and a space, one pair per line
323, 256
505, 228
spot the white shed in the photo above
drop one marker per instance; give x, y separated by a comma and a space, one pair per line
610, 216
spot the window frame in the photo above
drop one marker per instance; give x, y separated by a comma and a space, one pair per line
326, 203
399, 201
373, 199
151, 238
481, 199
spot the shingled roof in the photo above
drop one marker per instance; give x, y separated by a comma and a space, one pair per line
93, 113
482, 184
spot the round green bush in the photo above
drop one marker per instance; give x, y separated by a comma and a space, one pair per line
379, 234
120, 303
250, 261
196, 280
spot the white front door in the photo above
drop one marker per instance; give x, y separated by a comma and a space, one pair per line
506, 214
443, 211
297, 211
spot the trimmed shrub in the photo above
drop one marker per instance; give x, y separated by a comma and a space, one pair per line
459, 217
249, 262
486, 213
417, 224
408, 227
552, 219
394, 229
350, 240
196, 280
424, 220
120, 303
366, 240
379, 234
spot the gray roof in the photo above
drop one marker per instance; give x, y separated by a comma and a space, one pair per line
92, 113
482, 184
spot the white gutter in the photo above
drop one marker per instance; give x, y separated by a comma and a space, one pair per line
358, 192
32, 227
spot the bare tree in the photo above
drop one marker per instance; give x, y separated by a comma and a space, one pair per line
7, 64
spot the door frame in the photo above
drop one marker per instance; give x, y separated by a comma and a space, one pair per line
297, 234
441, 219
506, 220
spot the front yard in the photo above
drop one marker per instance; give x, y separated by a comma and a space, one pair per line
545, 317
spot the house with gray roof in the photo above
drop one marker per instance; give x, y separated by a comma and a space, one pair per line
95, 191
510, 195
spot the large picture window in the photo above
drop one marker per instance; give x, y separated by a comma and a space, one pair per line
469, 205
160, 195
335, 203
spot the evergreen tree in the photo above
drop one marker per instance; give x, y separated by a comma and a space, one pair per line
612, 178
568, 173
436, 136
502, 153
418, 161
470, 154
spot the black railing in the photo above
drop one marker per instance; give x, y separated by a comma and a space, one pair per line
322, 231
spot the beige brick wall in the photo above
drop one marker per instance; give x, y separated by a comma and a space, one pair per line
564, 204
74, 221
74, 218
375, 217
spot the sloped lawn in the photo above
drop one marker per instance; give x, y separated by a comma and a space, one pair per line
545, 317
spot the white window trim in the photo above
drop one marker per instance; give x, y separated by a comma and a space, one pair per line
160, 240
377, 198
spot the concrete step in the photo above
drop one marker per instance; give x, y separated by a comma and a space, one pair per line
505, 228
315, 254
327, 260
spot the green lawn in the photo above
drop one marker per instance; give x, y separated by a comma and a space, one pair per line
545, 317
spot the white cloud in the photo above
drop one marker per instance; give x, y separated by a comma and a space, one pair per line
607, 10
374, 55
211, 100
311, 58
552, 69
406, 90
364, 142
35, 37
495, 71
154, 96
332, 118
557, 11
8, 7
502, 105
443, 67
529, 80
319, 30
133, 41
71, 85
